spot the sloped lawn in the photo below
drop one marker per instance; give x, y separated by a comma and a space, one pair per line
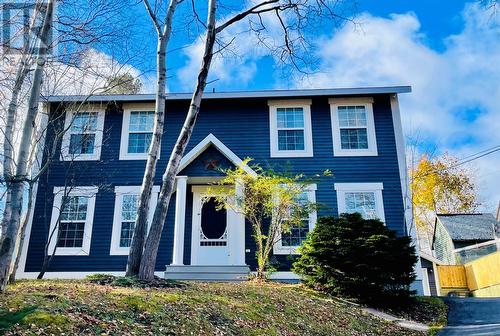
83, 308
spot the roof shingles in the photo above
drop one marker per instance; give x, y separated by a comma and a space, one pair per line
466, 227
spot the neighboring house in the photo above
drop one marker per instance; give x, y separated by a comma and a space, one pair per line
429, 273
460, 238
356, 133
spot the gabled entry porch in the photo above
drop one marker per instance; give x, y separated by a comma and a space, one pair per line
216, 250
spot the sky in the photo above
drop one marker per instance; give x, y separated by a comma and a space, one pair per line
448, 51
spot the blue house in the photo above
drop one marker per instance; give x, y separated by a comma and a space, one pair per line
87, 197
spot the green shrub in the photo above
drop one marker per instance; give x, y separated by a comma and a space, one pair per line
358, 258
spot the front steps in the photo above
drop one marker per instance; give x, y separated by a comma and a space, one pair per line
207, 272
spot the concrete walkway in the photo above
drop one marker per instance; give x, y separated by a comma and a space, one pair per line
472, 316
402, 323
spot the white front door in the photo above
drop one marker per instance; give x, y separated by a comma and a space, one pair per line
212, 233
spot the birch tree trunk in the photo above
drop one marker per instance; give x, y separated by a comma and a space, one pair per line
148, 261
10, 120
8, 243
22, 233
141, 223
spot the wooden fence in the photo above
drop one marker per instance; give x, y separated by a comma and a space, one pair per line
481, 276
452, 278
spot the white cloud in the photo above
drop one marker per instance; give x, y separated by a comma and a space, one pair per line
456, 92
455, 103
238, 62
86, 75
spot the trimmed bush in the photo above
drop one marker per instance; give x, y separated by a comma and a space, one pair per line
358, 258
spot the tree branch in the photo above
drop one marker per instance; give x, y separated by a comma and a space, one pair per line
253, 10
153, 17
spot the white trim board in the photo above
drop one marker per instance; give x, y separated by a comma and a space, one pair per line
204, 144
411, 229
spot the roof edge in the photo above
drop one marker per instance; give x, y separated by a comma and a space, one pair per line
235, 94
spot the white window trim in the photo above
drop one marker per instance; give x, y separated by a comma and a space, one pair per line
65, 155
279, 249
59, 192
127, 109
305, 104
367, 102
376, 188
120, 191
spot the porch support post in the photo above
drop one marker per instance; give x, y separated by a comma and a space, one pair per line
180, 220
239, 236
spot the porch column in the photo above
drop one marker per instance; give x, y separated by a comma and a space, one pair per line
180, 220
239, 250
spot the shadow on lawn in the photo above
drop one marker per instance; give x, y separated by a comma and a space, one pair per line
8, 318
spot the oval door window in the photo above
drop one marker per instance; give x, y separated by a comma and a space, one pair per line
213, 221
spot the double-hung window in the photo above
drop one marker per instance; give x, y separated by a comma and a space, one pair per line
353, 127
126, 204
71, 222
290, 128
288, 242
137, 133
364, 198
82, 139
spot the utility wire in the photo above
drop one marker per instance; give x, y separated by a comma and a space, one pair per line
464, 160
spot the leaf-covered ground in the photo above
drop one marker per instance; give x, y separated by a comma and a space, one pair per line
429, 310
83, 308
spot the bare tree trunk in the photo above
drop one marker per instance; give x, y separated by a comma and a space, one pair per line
141, 223
6, 212
8, 242
148, 261
10, 120
22, 233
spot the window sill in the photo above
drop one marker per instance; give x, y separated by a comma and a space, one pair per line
80, 157
119, 251
69, 251
289, 154
289, 250
138, 156
340, 152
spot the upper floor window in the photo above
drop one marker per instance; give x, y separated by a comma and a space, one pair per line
82, 139
353, 127
364, 198
290, 128
126, 205
288, 242
137, 133
71, 222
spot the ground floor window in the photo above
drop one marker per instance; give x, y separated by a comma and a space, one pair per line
71, 223
126, 204
288, 242
364, 198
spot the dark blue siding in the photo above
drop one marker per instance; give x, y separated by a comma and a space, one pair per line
243, 126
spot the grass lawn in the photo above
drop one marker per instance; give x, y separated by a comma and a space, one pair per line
50, 307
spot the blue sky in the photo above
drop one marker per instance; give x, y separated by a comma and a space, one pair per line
448, 51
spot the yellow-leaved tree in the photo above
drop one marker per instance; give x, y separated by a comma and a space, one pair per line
441, 185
